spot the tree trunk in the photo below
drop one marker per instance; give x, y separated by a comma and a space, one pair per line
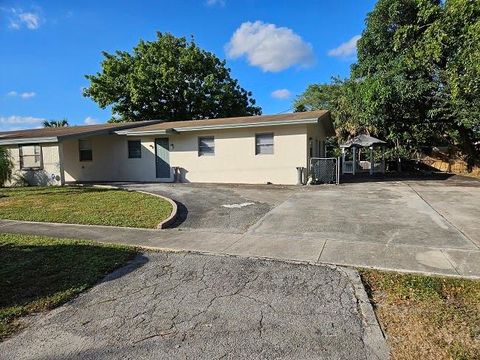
466, 141
399, 160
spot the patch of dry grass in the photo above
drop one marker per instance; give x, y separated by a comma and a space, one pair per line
427, 317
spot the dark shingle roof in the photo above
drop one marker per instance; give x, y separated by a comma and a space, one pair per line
233, 121
69, 131
60, 133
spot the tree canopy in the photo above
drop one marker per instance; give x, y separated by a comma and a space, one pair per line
55, 123
417, 77
170, 79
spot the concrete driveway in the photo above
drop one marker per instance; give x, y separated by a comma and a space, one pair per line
423, 225
187, 306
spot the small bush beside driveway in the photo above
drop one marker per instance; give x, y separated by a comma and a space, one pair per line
83, 205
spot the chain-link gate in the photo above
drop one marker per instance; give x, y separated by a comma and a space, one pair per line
325, 170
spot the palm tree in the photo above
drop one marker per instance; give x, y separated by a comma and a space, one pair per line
55, 123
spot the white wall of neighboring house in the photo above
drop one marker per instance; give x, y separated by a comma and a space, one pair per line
50, 172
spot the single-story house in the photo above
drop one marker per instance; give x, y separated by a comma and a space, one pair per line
251, 149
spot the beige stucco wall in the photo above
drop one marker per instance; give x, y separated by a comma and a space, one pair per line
110, 160
50, 174
234, 160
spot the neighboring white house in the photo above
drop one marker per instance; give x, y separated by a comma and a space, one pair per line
253, 149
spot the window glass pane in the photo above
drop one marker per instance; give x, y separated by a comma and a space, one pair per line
28, 150
206, 145
264, 143
265, 139
86, 155
30, 161
84, 144
85, 150
134, 149
30, 156
264, 149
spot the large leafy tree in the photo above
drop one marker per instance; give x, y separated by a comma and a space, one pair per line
452, 49
397, 84
170, 79
417, 78
344, 100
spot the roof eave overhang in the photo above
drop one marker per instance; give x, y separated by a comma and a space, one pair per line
135, 132
86, 134
138, 132
20, 141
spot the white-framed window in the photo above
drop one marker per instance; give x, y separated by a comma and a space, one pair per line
85, 150
263, 143
206, 146
30, 156
134, 149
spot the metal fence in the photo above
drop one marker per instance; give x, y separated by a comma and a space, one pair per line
325, 170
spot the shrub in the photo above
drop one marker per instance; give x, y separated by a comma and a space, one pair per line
6, 166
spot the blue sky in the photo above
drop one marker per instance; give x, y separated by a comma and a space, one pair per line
274, 48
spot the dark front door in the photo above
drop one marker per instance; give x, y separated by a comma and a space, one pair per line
162, 158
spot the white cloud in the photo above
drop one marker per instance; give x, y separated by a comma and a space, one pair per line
90, 121
27, 95
346, 49
18, 19
31, 20
281, 94
269, 47
215, 2
16, 122
24, 95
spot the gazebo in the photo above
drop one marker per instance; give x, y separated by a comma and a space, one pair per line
356, 146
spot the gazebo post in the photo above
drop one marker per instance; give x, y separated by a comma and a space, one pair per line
383, 159
372, 161
354, 158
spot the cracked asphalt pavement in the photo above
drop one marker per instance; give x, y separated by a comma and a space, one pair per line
194, 306
218, 207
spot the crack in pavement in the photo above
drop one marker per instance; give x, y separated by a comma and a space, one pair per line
178, 305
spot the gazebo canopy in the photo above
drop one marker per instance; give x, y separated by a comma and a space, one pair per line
362, 141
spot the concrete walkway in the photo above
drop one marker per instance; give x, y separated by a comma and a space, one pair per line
405, 258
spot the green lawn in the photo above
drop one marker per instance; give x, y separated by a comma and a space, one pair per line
38, 273
427, 317
83, 205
